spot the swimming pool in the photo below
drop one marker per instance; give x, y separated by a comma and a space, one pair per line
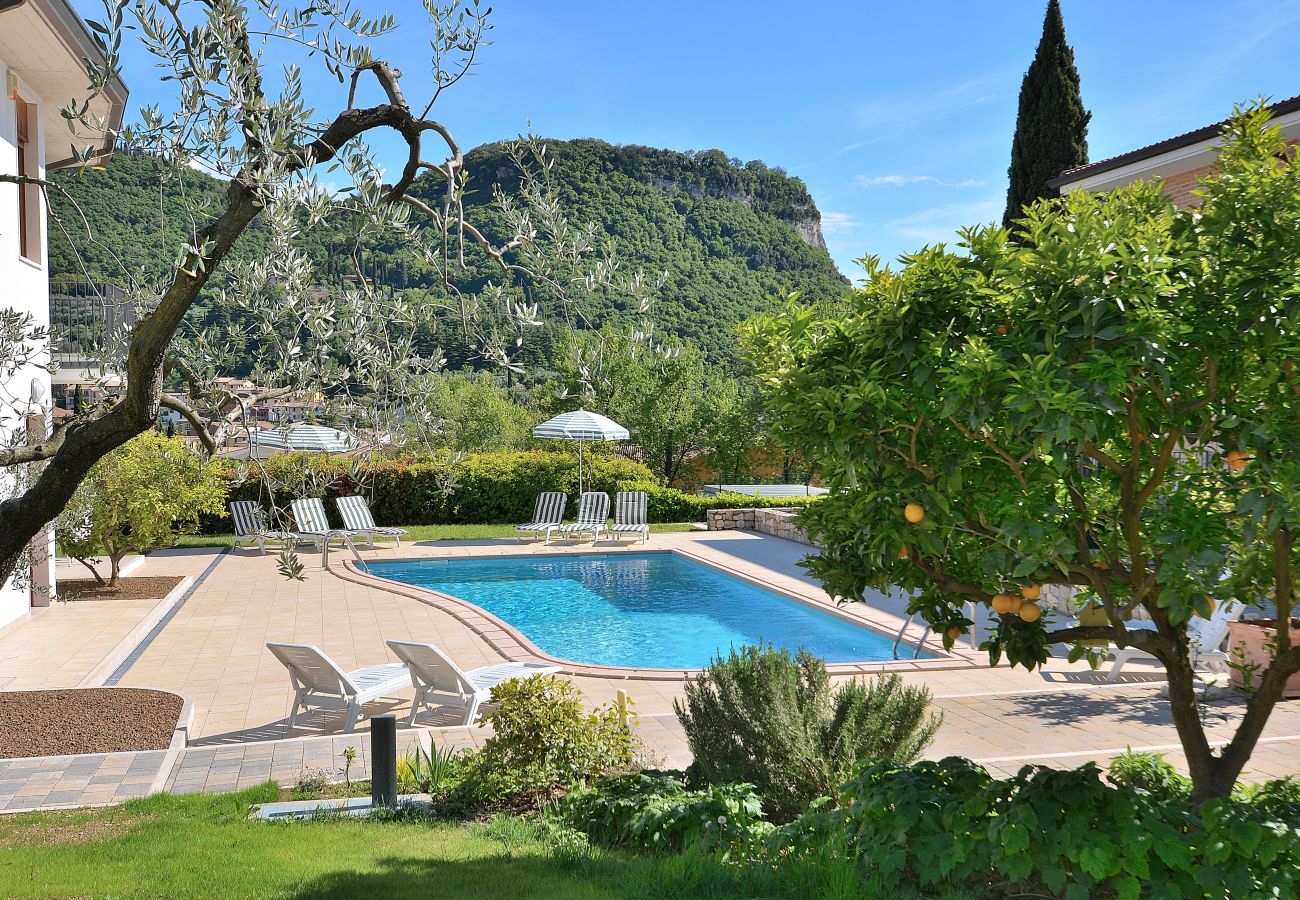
643, 610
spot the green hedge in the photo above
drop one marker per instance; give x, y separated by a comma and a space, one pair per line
479, 488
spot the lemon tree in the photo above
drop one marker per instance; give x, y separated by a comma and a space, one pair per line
1109, 402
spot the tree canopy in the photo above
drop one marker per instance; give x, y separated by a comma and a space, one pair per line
1051, 122
1110, 402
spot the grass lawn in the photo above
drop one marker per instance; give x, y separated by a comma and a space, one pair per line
424, 533
204, 845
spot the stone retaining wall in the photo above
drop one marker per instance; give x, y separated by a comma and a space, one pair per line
778, 522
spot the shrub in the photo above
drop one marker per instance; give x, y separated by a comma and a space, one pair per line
760, 716
658, 812
543, 740
1065, 831
1276, 799
424, 772
486, 488
1151, 773
138, 498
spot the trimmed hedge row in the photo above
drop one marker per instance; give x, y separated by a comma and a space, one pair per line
479, 488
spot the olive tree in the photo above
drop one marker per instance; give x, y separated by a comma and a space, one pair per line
1110, 402
239, 112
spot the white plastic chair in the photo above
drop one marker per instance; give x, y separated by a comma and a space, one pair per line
433, 672
593, 517
548, 515
356, 515
318, 681
631, 513
1205, 637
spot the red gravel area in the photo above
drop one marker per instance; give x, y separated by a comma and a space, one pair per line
152, 587
94, 720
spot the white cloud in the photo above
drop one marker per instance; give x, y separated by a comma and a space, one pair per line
833, 222
904, 111
939, 224
875, 181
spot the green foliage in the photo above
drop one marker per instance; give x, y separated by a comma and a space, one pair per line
543, 740
725, 233
1278, 799
1151, 773
658, 812
423, 772
762, 717
476, 488
469, 413
1051, 123
138, 498
126, 200
1034, 396
948, 822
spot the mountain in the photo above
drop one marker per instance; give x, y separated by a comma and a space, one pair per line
731, 235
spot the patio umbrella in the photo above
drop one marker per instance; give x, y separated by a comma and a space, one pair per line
581, 426
303, 437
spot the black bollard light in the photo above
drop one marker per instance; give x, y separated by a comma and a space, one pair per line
383, 761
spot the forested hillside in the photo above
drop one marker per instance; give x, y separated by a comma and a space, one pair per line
728, 234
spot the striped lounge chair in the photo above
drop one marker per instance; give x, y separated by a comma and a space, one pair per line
631, 510
548, 515
250, 526
593, 516
356, 515
309, 517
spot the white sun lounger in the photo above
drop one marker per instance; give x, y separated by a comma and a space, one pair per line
250, 526
548, 515
593, 516
356, 516
631, 512
318, 682
1206, 637
433, 672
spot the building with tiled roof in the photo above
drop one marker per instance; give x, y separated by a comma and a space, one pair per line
1180, 161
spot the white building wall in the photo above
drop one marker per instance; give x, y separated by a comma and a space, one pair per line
24, 284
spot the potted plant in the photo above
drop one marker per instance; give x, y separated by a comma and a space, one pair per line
1252, 643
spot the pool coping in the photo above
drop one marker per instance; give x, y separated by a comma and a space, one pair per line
513, 645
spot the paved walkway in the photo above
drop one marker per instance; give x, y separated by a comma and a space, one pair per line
212, 650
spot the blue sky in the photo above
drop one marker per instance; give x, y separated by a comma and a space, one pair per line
898, 116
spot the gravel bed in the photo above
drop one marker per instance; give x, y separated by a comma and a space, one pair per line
151, 587
93, 720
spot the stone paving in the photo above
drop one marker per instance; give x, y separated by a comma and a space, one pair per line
51, 782
212, 651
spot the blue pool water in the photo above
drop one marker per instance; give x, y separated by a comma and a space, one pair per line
644, 610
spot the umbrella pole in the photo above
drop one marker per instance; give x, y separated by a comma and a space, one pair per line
580, 468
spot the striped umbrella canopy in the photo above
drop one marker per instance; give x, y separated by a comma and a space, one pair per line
310, 438
581, 426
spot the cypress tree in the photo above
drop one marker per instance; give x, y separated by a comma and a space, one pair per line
1051, 124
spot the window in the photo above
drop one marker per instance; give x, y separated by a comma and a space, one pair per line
28, 199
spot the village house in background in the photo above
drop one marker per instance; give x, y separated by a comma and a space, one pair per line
44, 46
